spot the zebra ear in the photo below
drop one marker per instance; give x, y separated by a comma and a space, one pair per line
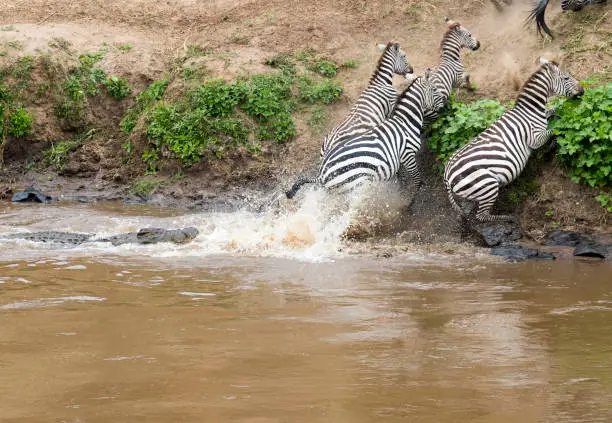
427, 74
381, 47
448, 21
542, 61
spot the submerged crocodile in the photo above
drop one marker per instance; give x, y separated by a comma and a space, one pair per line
143, 236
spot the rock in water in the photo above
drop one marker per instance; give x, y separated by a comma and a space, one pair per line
516, 253
592, 249
31, 195
494, 234
564, 238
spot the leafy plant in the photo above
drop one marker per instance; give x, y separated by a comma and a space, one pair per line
58, 154
459, 124
154, 92
605, 199
326, 68
95, 78
267, 95
87, 60
349, 64
305, 56
20, 122
324, 92
117, 87
190, 134
584, 135
195, 50
145, 187
317, 119
217, 98
282, 61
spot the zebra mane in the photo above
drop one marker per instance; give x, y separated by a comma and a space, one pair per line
380, 59
448, 32
535, 74
410, 84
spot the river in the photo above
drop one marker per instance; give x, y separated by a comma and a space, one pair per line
273, 319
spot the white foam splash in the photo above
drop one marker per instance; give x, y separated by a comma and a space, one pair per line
48, 302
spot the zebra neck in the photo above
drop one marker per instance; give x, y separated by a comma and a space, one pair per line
534, 95
408, 111
451, 51
384, 72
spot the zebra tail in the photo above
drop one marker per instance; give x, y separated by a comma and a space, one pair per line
537, 15
298, 183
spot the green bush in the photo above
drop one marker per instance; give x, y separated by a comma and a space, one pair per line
324, 92
58, 154
584, 135
459, 124
73, 88
20, 122
279, 129
282, 61
154, 92
326, 68
192, 134
117, 87
267, 95
95, 78
217, 98
145, 187
205, 122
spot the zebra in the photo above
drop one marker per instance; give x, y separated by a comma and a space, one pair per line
497, 156
376, 155
537, 13
376, 102
450, 74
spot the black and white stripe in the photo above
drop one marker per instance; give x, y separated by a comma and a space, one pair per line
376, 102
538, 11
450, 73
496, 157
377, 154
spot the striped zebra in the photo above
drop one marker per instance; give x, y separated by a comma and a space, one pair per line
496, 157
377, 154
450, 74
376, 102
537, 13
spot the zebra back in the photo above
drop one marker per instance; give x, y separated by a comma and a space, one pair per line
375, 103
377, 154
498, 155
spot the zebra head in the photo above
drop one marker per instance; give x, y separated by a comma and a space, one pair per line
462, 37
396, 58
562, 83
433, 100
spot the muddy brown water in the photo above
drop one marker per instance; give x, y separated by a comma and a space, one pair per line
247, 325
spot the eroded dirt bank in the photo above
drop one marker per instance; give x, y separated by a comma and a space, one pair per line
144, 41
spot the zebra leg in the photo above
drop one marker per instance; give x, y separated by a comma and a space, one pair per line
486, 201
465, 81
540, 138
